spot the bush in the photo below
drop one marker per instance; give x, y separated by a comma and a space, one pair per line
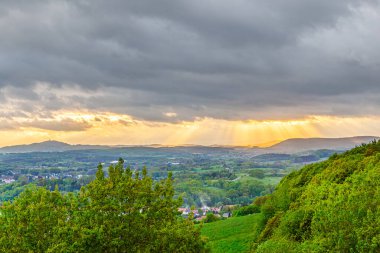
257, 173
210, 217
245, 210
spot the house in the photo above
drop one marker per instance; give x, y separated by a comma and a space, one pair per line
8, 180
215, 210
184, 211
227, 215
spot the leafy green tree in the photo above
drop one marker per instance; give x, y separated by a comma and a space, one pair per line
31, 222
245, 210
125, 212
257, 173
210, 217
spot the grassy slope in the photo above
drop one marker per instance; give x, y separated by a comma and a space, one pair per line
231, 235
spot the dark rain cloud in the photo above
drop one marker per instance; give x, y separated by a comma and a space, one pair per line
223, 59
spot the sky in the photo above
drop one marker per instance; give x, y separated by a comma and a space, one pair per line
210, 72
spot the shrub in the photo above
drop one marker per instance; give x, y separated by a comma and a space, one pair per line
245, 210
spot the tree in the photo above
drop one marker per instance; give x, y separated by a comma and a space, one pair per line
210, 217
31, 222
257, 173
125, 212
245, 210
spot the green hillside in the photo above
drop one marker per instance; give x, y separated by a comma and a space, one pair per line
331, 206
231, 235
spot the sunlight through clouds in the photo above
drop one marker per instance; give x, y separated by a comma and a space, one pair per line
85, 127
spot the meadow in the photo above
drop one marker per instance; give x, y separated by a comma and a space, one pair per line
232, 235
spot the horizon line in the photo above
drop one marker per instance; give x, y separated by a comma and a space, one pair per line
261, 145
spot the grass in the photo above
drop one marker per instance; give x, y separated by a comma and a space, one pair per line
271, 180
231, 235
266, 180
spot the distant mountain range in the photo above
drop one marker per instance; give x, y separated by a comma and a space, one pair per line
48, 146
305, 144
288, 146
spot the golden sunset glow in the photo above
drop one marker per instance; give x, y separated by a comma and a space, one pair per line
84, 127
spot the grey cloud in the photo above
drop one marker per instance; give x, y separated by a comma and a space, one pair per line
9, 122
59, 125
222, 59
6, 125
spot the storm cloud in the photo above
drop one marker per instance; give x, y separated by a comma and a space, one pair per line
183, 60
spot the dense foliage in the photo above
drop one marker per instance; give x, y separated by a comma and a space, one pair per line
124, 212
332, 206
220, 192
246, 210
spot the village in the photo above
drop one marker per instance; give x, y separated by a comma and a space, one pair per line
222, 212
11, 176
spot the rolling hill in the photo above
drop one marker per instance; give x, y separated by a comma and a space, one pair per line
306, 144
289, 146
47, 146
330, 206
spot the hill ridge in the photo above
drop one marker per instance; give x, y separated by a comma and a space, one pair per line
292, 145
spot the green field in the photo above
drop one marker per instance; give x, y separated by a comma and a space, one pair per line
231, 235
